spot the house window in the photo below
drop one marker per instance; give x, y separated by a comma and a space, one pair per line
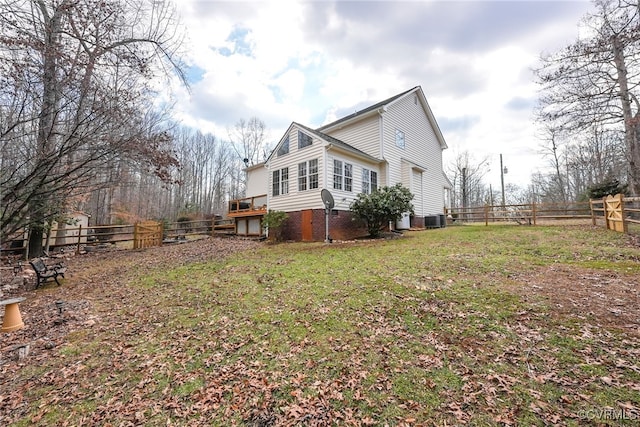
313, 174
342, 175
369, 181
308, 175
284, 148
337, 174
304, 140
302, 176
348, 177
399, 138
280, 184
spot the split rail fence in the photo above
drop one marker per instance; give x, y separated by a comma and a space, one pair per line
614, 212
142, 234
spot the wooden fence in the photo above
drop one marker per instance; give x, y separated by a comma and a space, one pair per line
615, 212
142, 235
528, 213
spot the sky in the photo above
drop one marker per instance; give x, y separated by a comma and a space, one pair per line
313, 62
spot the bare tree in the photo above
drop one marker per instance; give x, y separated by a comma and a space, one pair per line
75, 100
249, 140
466, 175
551, 148
595, 81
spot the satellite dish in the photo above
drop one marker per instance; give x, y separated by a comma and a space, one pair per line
327, 199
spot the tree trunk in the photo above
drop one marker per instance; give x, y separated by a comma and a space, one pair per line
630, 121
46, 123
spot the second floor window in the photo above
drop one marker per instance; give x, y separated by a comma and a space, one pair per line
284, 148
304, 140
400, 139
280, 183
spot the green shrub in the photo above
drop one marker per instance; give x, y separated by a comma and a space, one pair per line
273, 222
381, 206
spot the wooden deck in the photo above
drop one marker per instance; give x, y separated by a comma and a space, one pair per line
249, 206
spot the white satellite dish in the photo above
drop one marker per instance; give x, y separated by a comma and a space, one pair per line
327, 200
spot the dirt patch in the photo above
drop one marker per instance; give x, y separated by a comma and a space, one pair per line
606, 298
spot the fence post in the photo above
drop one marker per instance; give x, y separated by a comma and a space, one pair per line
533, 212
604, 209
625, 228
486, 215
593, 214
135, 236
79, 238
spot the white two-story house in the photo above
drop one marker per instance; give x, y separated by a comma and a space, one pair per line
394, 141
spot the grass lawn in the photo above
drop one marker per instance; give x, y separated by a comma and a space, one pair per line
498, 325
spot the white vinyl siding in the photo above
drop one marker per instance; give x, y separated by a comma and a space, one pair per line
421, 147
344, 197
256, 179
298, 200
418, 192
376, 136
363, 135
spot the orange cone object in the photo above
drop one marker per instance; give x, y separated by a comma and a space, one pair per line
12, 319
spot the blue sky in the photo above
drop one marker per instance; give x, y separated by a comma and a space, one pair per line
315, 61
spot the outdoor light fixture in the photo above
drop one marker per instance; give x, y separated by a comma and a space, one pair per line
59, 306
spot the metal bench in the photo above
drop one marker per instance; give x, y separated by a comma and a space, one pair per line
45, 272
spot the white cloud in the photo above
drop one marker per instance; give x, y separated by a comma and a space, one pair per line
310, 62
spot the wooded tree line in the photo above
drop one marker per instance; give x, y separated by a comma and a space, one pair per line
80, 128
210, 172
588, 115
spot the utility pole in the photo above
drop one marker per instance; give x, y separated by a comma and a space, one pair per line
502, 172
464, 192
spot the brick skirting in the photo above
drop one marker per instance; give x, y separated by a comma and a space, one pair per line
341, 226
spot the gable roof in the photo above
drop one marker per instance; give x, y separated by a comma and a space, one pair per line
331, 142
375, 108
364, 112
339, 144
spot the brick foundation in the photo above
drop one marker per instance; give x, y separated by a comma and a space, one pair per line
341, 226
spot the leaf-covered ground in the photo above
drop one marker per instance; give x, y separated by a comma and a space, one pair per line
464, 325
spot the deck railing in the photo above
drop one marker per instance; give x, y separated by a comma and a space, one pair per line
248, 205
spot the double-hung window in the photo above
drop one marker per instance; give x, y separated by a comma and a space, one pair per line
313, 174
280, 182
342, 175
348, 177
337, 174
308, 175
369, 181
